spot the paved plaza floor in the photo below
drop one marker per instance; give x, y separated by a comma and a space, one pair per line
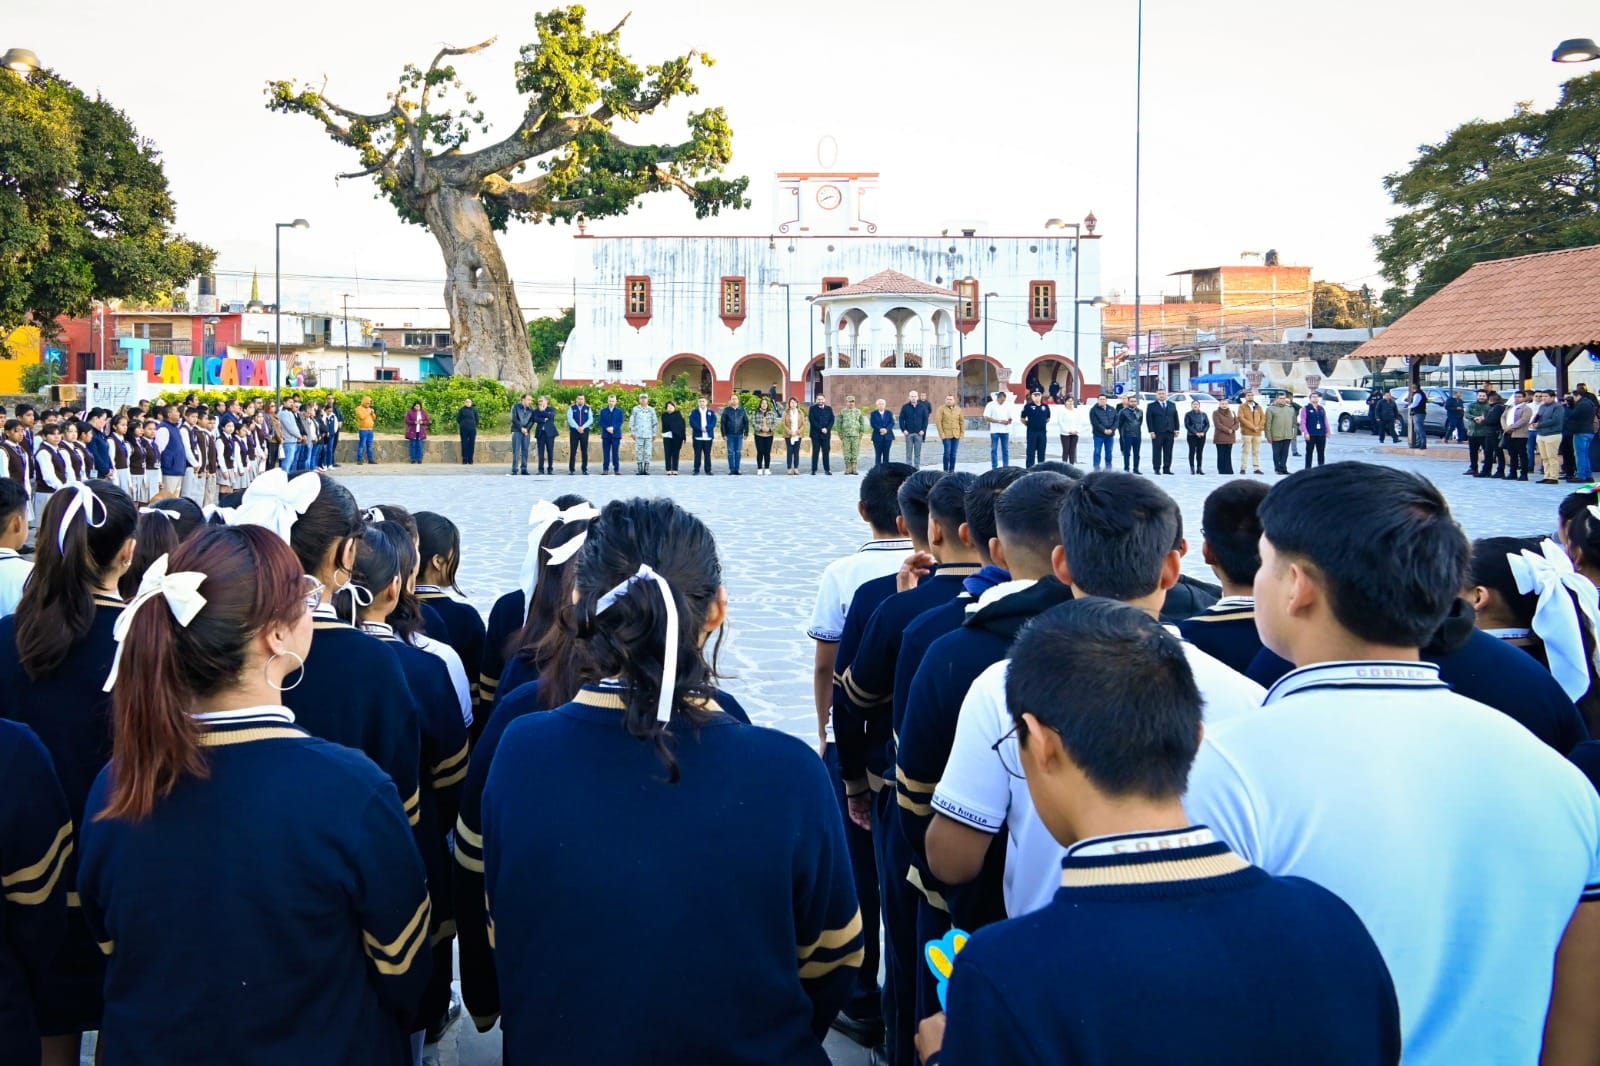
776, 534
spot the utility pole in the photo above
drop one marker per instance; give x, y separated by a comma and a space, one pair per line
346, 340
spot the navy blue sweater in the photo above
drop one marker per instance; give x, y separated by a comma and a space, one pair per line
465, 627
72, 717
352, 691
1225, 631
480, 988
509, 614
753, 907
868, 595
35, 843
1495, 674
273, 912
1187, 955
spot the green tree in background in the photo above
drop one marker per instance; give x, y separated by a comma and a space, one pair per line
1335, 307
1491, 190
562, 161
544, 336
85, 213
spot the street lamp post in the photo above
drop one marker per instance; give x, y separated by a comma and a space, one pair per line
788, 338
986, 396
1138, 116
561, 348
277, 299
1576, 50
347, 340
20, 61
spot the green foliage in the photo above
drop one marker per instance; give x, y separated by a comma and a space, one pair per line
38, 376
85, 212
441, 397
1491, 190
1335, 307
544, 334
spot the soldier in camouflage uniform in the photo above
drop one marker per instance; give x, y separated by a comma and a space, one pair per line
851, 427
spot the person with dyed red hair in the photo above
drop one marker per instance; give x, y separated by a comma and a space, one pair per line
256, 890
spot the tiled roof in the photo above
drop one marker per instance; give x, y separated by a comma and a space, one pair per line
891, 283
1546, 300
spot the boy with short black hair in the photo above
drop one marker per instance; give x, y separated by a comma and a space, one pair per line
1232, 531
1198, 956
14, 569
1439, 820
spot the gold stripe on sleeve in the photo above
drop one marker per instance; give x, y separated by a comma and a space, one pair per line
454, 779
468, 863
833, 938
42, 893
405, 934
467, 836
912, 783
921, 810
107, 946
450, 763
32, 873
813, 970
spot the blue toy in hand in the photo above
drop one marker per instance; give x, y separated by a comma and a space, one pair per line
941, 955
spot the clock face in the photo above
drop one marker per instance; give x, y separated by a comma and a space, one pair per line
829, 197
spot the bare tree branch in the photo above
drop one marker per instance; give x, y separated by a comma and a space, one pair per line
381, 165
427, 82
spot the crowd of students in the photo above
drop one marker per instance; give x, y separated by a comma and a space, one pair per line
254, 784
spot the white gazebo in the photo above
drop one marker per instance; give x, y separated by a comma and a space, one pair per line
889, 322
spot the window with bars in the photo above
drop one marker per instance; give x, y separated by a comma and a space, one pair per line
733, 297
1042, 301
967, 306
637, 303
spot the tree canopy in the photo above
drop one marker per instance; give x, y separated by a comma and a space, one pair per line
1335, 307
85, 213
546, 335
1494, 189
562, 161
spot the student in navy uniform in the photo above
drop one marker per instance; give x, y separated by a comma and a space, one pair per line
1227, 629
535, 643
384, 560
351, 689
54, 656
35, 841
439, 542
256, 889
428, 620
612, 794
1199, 956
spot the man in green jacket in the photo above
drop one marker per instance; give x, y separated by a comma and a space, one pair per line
1475, 431
850, 428
1281, 427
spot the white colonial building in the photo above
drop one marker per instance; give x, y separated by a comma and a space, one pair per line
825, 290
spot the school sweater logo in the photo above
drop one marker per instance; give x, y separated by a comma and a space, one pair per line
941, 957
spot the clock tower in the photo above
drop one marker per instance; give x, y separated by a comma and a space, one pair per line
823, 202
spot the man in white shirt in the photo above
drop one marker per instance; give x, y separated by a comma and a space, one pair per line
998, 415
1121, 539
14, 570
1469, 849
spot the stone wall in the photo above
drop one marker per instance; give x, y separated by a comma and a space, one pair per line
893, 386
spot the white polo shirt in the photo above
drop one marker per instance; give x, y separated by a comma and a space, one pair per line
978, 791
14, 573
1462, 841
875, 558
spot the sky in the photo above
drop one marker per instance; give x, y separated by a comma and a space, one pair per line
1266, 125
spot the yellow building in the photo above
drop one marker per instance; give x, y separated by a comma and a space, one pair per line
20, 349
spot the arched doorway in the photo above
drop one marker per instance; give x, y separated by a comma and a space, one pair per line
981, 377
701, 377
760, 373
813, 379
1051, 374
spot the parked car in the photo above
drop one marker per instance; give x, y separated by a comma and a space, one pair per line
1347, 408
1208, 402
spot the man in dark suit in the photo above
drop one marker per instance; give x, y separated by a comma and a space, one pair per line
820, 419
1161, 419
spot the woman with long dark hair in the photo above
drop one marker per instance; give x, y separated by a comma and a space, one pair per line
256, 889
351, 689
157, 535
673, 431
54, 655
439, 544
614, 794
385, 562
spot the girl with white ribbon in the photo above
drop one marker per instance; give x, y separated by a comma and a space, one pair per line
537, 650
81, 501
1567, 616
543, 517
276, 501
181, 593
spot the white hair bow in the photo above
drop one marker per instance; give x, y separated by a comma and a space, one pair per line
669, 653
1567, 602
182, 593
541, 518
83, 502
275, 501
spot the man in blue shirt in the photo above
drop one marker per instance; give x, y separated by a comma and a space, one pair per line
1197, 956
580, 419
612, 418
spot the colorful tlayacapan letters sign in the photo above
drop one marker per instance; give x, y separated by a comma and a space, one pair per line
191, 369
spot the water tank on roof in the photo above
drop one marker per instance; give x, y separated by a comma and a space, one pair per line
208, 295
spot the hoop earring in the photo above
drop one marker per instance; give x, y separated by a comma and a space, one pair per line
267, 670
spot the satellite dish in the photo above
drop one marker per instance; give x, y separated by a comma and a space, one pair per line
827, 151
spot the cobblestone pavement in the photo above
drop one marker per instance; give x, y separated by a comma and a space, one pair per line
775, 536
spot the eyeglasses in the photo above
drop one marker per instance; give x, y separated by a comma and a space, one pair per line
1008, 754
312, 591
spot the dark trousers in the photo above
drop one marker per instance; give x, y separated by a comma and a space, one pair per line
901, 958
1197, 453
951, 446
791, 458
670, 449
469, 444
763, 452
819, 450
1131, 446
1224, 458
1569, 464
1475, 452
1490, 446
578, 448
735, 443
881, 446
611, 452
333, 448
1516, 451
1384, 427
702, 454
1069, 448
1455, 426
1034, 451
546, 455
1280, 455
1316, 446
864, 1001
1161, 452
519, 451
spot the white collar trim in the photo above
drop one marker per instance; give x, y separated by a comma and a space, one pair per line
265, 713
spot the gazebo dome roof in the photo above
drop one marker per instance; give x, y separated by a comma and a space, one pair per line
890, 283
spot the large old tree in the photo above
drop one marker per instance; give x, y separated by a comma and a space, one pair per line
85, 213
1529, 182
562, 161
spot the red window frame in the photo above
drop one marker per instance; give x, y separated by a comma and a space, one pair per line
831, 283
1042, 324
968, 309
733, 319
634, 318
